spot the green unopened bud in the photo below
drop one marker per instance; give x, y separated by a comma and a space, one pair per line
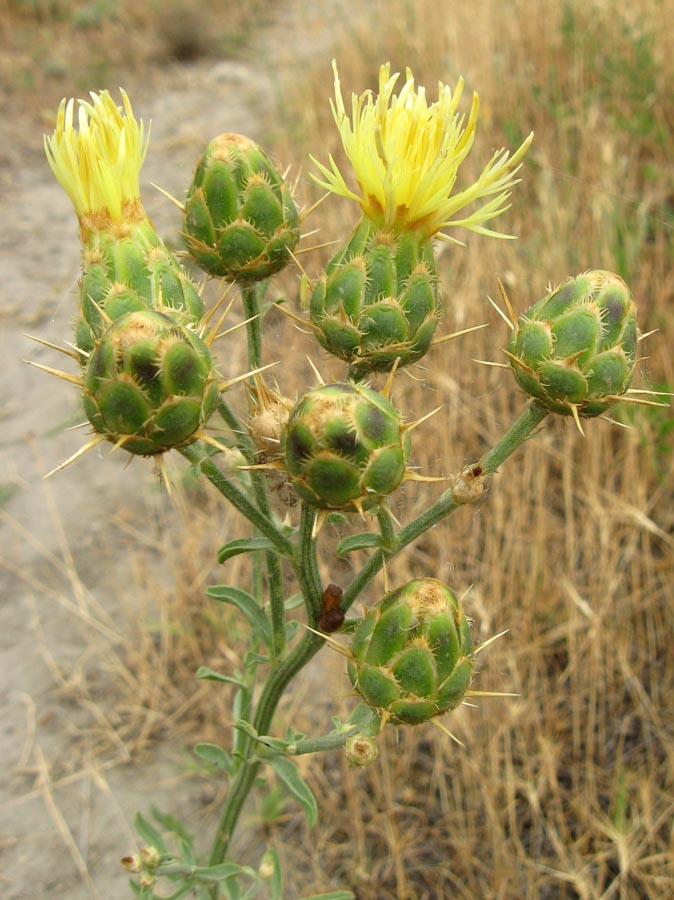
150, 384
378, 301
575, 349
130, 274
344, 447
413, 653
240, 219
361, 750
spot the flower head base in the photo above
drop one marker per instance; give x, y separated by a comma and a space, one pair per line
406, 154
575, 350
98, 163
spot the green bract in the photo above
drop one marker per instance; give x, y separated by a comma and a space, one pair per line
377, 300
124, 273
344, 447
150, 384
240, 219
576, 348
413, 653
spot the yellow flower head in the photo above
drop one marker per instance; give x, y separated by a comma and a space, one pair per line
98, 164
406, 154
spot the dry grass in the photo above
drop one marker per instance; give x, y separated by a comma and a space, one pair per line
568, 790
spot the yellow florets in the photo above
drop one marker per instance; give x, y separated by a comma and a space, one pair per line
405, 156
98, 164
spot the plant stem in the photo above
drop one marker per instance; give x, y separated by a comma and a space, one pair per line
251, 297
238, 430
516, 435
310, 745
519, 432
272, 691
230, 492
307, 566
251, 304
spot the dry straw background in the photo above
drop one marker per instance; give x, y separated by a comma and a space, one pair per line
566, 791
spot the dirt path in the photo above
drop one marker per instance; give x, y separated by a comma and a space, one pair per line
63, 828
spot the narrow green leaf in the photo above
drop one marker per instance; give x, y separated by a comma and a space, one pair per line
210, 675
337, 518
149, 834
221, 872
186, 851
266, 740
174, 826
244, 545
358, 542
289, 774
247, 604
214, 755
294, 601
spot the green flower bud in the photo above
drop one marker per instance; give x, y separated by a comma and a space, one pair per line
413, 653
378, 301
128, 274
344, 447
149, 384
576, 347
240, 219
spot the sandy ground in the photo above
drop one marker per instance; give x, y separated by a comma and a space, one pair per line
63, 827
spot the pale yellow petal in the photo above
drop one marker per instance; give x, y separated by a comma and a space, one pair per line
405, 154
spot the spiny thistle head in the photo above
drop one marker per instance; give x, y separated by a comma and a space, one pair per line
412, 654
344, 447
377, 301
150, 384
575, 349
240, 219
406, 154
98, 163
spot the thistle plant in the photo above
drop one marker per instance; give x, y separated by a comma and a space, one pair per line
149, 384
126, 267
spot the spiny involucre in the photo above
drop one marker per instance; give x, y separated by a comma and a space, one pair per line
344, 447
574, 350
240, 220
412, 654
149, 385
126, 267
377, 302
